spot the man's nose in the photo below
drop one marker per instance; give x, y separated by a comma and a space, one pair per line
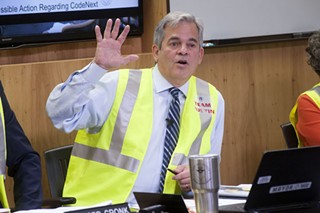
183, 49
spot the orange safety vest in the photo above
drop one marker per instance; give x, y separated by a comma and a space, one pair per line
314, 94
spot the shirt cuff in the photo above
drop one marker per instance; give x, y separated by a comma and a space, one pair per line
92, 72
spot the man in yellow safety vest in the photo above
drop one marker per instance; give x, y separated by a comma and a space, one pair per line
124, 116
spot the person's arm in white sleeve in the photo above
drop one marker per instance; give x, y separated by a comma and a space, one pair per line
81, 101
85, 99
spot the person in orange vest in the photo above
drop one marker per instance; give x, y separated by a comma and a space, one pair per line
305, 115
22, 161
125, 118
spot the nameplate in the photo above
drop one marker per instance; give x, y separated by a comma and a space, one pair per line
116, 208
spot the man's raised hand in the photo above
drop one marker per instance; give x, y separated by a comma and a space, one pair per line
108, 51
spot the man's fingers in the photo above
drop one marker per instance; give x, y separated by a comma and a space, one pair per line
185, 187
122, 37
98, 33
115, 30
113, 33
107, 31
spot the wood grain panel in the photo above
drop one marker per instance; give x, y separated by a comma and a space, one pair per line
61, 51
153, 11
260, 84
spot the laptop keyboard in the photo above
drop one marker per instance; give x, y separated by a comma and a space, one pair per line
239, 207
308, 207
295, 207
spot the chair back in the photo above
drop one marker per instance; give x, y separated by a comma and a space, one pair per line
289, 135
57, 161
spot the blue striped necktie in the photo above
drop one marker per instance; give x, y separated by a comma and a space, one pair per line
172, 133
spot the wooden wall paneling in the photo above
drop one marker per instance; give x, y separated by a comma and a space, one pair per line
61, 51
260, 84
153, 11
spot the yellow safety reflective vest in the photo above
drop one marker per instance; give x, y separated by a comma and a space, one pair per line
3, 158
104, 165
314, 94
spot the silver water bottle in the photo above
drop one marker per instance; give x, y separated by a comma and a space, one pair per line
205, 182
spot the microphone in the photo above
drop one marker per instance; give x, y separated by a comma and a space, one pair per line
169, 121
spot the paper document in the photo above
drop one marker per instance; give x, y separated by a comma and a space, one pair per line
64, 209
241, 191
191, 205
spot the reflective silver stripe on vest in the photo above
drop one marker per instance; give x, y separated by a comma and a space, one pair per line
317, 90
125, 110
109, 157
179, 158
2, 149
113, 156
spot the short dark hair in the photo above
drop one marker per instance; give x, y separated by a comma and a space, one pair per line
313, 51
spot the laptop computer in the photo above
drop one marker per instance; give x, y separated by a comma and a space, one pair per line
286, 181
158, 202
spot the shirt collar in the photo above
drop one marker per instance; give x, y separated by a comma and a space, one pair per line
161, 84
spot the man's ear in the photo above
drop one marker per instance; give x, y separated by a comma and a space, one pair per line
201, 54
155, 52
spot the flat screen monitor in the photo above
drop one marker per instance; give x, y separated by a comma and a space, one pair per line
30, 22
